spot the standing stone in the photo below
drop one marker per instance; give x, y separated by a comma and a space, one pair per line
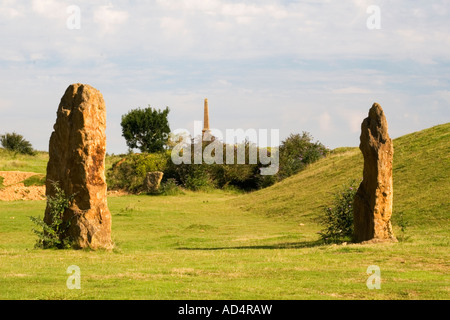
77, 162
373, 201
152, 181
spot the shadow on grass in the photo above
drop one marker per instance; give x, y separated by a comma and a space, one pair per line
283, 245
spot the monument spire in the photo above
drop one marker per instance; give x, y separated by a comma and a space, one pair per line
205, 117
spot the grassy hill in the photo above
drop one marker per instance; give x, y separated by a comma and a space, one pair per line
262, 245
421, 171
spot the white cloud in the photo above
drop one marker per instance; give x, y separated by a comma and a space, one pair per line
351, 90
9, 13
293, 65
50, 8
353, 118
109, 19
325, 122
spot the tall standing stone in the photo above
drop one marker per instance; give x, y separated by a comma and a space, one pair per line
372, 208
77, 162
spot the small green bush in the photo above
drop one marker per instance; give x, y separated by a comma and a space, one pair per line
129, 173
296, 152
338, 218
170, 188
53, 233
16, 143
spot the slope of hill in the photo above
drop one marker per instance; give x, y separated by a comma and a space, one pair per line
421, 181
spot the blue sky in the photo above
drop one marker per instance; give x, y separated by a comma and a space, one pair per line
290, 65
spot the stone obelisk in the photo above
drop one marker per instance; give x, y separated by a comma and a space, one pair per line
205, 117
206, 133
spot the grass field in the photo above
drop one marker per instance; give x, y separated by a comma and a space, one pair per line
262, 245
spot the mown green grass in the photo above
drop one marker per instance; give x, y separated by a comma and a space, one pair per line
12, 161
199, 246
261, 245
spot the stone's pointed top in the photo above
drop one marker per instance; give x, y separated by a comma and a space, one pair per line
376, 111
377, 124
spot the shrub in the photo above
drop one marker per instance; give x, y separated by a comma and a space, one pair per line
199, 180
129, 173
205, 176
16, 143
296, 152
338, 218
170, 188
53, 233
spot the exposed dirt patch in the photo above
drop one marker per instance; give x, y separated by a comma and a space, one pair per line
13, 177
14, 189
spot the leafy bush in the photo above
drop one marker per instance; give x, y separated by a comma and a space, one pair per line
338, 218
206, 176
170, 188
53, 233
296, 152
198, 178
129, 173
16, 143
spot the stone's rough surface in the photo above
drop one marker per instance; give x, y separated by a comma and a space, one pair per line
373, 202
153, 180
77, 162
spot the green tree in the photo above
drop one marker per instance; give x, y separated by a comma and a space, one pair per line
146, 129
16, 143
297, 151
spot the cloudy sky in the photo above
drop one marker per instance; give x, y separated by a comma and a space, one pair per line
296, 66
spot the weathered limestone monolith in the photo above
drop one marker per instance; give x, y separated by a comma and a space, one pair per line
77, 162
373, 201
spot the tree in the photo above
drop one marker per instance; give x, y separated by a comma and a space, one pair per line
16, 143
297, 151
146, 129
